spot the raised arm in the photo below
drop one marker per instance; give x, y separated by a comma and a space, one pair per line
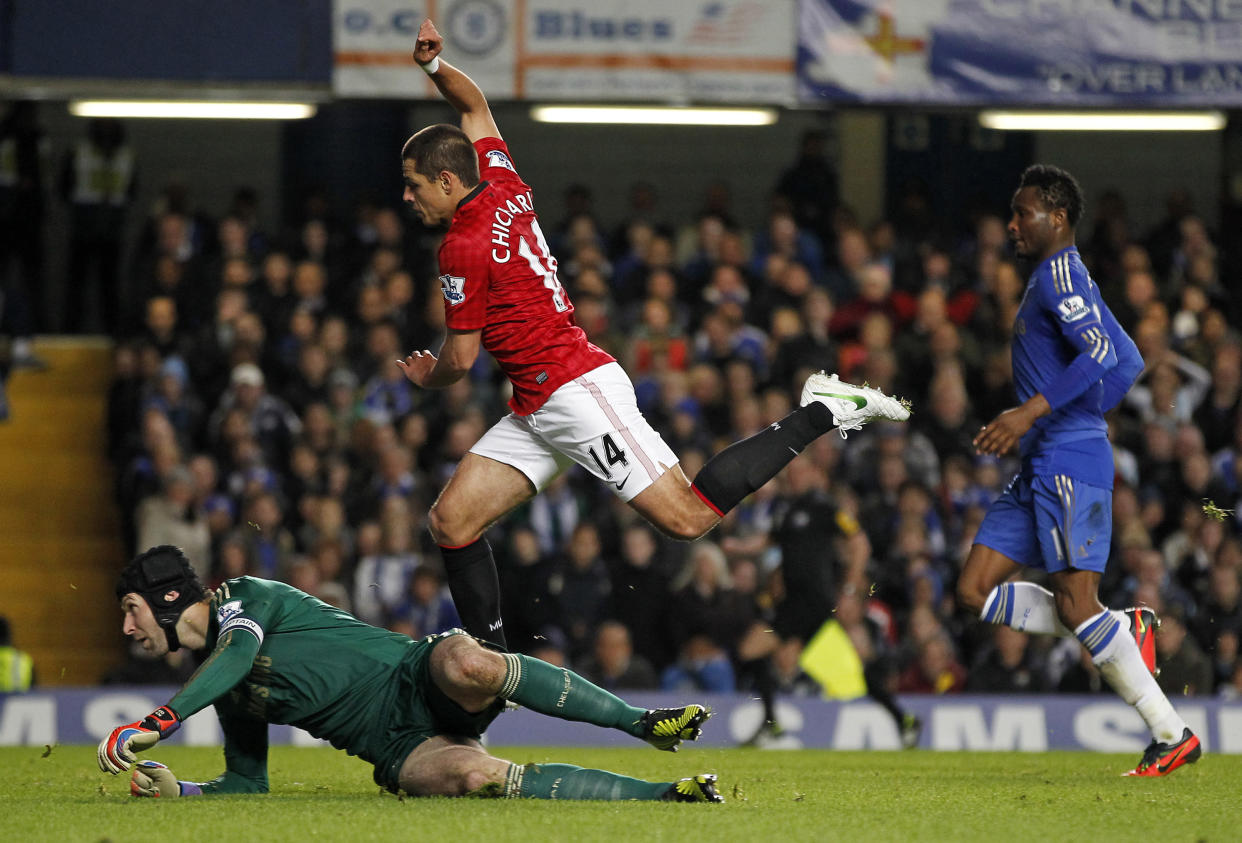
458, 89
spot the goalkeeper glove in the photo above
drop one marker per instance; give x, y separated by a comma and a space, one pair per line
116, 752
151, 778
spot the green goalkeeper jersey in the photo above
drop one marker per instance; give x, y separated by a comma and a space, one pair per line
279, 655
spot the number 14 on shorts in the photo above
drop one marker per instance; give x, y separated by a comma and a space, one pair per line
612, 456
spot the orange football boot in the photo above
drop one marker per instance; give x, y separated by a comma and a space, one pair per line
1160, 759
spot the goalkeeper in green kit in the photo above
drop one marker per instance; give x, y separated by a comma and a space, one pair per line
413, 709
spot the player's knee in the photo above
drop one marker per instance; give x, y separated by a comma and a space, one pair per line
686, 523
437, 523
971, 595
447, 529
683, 529
474, 780
466, 666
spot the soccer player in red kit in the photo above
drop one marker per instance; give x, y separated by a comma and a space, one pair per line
572, 402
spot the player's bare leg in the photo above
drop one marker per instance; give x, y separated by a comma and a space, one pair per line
479, 492
985, 569
1077, 595
449, 765
671, 505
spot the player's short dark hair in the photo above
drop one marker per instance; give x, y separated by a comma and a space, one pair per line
442, 147
1057, 189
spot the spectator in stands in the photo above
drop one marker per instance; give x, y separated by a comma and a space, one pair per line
329, 558
640, 593
1184, 668
706, 617
810, 350
24, 305
783, 236
172, 394
1169, 389
427, 606
554, 514
1218, 413
613, 663
810, 185
271, 421
525, 579
382, 576
1217, 624
853, 254
581, 588
936, 670
99, 180
1080, 675
270, 544
326, 522
724, 336
171, 517
1009, 666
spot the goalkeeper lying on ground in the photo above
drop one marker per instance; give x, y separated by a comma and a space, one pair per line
413, 709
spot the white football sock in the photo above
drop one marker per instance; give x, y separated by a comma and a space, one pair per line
1030, 608
1026, 607
1119, 661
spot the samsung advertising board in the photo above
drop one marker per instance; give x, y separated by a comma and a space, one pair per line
959, 722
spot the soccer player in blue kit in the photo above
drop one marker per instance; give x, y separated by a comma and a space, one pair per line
1072, 363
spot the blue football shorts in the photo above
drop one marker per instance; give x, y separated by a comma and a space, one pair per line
1051, 521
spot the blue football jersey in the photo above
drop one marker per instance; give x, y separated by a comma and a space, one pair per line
1065, 340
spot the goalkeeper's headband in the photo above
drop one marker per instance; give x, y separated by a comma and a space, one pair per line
164, 578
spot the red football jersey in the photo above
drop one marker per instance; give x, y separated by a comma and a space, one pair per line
498, 276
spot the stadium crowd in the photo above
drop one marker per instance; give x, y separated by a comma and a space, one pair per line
258, 420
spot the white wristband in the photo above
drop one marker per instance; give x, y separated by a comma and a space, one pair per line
431, 67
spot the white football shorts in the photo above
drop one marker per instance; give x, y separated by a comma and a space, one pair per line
593, 421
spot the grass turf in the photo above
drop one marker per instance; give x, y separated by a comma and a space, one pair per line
804, 795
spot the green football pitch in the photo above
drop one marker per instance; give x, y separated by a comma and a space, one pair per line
771, 796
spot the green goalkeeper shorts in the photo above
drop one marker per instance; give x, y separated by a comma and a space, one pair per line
420, 710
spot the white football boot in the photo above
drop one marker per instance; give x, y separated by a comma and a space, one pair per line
852, 406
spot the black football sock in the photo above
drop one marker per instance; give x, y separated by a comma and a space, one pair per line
765, 686
744, 466
878, 691
471, 573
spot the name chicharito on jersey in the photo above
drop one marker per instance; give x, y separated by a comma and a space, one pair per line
503, 219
